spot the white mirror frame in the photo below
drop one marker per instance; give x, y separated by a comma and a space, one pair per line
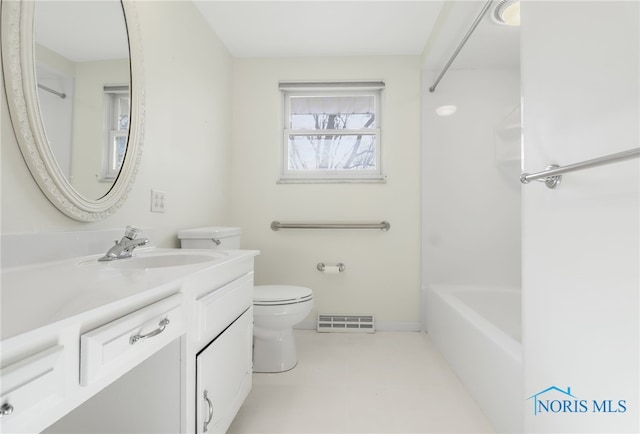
19, 75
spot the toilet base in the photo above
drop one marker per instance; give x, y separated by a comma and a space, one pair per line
274, 351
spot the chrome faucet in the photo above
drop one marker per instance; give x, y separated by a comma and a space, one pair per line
124, 247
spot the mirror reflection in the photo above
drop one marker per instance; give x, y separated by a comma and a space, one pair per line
83, 79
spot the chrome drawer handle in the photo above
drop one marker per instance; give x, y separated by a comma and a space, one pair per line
163, 325
6, 410
210, 407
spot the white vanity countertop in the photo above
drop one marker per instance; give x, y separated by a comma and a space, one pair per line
37, 295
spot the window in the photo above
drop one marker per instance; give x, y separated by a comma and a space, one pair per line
332, 132
116, 130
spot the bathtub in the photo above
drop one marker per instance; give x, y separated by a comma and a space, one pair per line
478, 330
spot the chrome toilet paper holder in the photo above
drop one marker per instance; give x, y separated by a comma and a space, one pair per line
322, 267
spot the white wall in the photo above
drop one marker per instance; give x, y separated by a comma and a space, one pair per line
470, 195
88, 123
186, 142
57, 73
581, 243
382, 269
57, 114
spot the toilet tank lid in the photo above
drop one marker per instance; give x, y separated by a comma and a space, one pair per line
208, 232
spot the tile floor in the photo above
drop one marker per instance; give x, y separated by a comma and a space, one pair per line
387, 382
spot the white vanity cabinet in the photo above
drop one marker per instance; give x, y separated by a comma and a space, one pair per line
31, 385
107, 355
48, 372
221, 342
223, 377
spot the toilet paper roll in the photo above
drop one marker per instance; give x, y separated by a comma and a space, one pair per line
331, 269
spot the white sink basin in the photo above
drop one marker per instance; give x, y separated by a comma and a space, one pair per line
74, 286
156, 260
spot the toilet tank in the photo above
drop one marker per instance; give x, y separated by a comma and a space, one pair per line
215, 237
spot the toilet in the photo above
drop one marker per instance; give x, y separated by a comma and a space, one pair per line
276, 308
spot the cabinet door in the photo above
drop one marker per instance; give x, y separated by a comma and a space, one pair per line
223, 376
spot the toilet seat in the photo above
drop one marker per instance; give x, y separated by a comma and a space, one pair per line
279, 295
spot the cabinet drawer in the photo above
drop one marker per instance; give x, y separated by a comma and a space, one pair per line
219, 308
26, 385
116, 347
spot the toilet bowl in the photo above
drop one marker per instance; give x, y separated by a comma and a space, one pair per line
276, 309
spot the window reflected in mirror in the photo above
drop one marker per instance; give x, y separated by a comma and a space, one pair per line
82, 52
116, 130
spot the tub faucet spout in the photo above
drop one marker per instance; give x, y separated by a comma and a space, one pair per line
124, 248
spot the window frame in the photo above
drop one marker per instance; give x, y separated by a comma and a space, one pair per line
112, 94
331, 89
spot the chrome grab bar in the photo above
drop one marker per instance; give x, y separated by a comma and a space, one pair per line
384, 226
553, 174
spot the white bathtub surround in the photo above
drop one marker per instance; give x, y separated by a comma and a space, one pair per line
470, 192
501, 306
581, 241
471, 234
478, 331
361, 383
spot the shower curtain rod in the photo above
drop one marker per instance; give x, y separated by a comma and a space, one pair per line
553, 175
55, 92
461, 44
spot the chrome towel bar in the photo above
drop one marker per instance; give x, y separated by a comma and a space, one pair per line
384, 226
553, 175
55, 92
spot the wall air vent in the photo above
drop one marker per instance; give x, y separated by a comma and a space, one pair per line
346, 323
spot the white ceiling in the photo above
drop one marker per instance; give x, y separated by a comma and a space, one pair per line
321, 28
82, 31
268, 28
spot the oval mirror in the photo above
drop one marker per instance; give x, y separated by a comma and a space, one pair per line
73, 76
